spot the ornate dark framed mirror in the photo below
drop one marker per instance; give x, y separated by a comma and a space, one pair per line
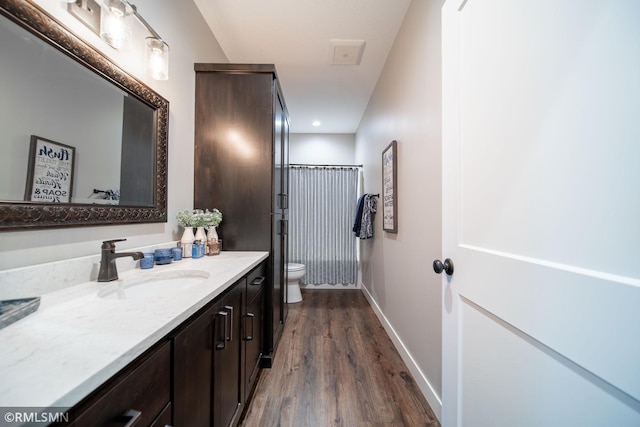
59, 89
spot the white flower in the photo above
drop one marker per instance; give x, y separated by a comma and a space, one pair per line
199, 218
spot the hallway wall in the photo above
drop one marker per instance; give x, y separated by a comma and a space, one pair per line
396, 268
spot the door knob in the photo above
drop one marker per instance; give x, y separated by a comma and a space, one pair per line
447, 266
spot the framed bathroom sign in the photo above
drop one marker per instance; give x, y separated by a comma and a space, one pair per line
389, 188
50, 171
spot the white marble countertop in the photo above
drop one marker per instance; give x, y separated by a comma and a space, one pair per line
76, 340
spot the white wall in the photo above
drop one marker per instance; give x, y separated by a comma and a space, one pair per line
322, 148
396, 268
183, 28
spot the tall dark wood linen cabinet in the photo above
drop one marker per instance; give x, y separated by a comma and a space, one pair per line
242, 168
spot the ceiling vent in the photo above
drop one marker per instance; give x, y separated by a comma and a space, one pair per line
346, 52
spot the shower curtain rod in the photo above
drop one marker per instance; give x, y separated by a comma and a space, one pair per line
325, 166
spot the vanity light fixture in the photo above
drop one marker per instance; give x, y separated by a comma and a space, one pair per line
115, 18
157, 49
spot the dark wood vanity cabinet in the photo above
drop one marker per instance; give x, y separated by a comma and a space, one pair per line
216, 354
200, 375
241, 168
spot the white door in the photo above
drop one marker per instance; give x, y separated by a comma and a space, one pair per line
541, 209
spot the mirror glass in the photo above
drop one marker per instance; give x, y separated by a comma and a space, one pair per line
83, 142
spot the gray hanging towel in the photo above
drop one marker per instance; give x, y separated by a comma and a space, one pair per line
357, 222
369, 208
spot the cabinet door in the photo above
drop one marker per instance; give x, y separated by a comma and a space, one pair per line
276, 294
193, 370
227, 383
283, 141
233, 155
280, 202
252, 335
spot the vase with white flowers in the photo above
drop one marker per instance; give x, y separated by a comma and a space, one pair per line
214, 220
201, 220
185, 220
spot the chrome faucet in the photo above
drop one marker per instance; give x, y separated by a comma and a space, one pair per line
108, 271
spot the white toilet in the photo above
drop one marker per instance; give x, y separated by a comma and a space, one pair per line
295, 272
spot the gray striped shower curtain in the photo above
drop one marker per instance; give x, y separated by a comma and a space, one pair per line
322, 209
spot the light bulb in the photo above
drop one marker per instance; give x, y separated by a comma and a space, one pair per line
115, 23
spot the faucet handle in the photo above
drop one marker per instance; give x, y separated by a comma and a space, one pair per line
111, 244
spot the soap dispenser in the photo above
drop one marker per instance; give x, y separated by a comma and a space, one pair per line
198, 249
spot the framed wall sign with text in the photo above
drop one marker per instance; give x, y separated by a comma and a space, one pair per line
389, 188
50, 171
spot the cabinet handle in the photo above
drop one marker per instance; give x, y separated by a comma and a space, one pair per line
249, 337
216, 343
129, 418
257, 281
230, 336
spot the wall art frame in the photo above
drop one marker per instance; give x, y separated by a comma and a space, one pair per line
50, 172
390, 188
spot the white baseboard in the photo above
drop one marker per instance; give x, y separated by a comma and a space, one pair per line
327, 286
423, 383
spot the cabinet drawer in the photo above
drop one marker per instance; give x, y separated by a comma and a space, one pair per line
256, 281
143, 387
164, 419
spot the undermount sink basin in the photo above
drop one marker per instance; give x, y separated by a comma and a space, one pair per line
151, 284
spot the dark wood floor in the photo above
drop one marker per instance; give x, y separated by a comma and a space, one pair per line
336, 366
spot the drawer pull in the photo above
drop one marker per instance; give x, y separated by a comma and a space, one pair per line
129, 419
230, 336
217, 344
247, 336
257, 281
